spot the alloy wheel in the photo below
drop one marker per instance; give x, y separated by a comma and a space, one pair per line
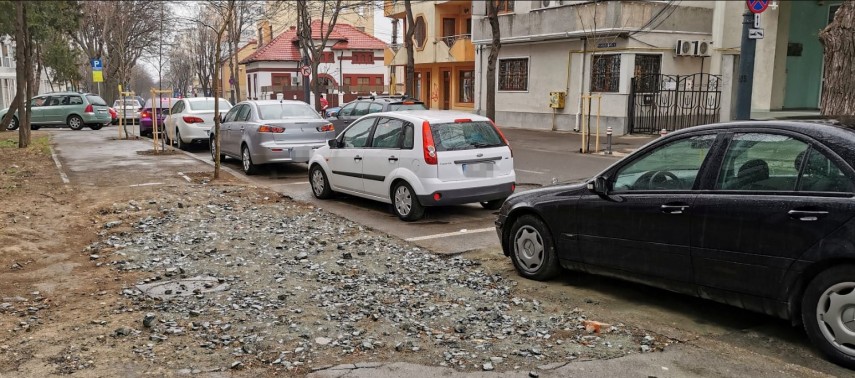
318, 182
529, 248
403, 200
835, 312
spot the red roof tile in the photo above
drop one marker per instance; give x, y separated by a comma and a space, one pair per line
285, 48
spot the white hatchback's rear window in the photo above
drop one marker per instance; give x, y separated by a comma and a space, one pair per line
465, 136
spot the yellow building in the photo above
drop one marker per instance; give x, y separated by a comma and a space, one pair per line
243, 52
444, 53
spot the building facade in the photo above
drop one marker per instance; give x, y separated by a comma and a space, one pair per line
352, 62
656, 64
227, 85
8, 80
443, 52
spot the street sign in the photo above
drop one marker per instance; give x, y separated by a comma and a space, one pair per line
96, 64
97, 76
755, 33
757, 6
756, 21
306, 71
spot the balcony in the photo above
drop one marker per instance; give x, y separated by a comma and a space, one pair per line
454, 48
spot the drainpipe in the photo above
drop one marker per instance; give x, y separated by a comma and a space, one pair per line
582, 84
480, 58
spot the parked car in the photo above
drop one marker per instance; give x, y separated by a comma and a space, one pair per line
370, 105
271, 131
148, 112
128, 109
760, 215
114, 116
65, 108
414, 159
332, 112
191, 120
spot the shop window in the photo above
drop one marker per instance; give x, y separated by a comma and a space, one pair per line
513, 74
466, 87
605, 73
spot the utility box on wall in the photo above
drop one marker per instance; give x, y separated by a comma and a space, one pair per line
556, 100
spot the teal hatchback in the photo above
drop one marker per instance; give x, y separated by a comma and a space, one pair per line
66, 108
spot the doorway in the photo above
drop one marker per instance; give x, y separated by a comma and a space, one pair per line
805, 53
446, 90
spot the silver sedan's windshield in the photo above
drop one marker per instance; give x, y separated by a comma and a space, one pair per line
283, 111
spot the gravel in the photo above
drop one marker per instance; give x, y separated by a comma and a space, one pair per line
299, 288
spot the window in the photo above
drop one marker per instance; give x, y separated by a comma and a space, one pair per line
605, 73
375, 108
357, 135
466, 87
76, 100
513, 74
38, 101
378, 81
361, 109
647, 70
243, 113
420, 33
465, 136
327, 57
347, 110
363, 57
387, 133
363, 81
772, 162
208, 104
674, 166
280, 80
177, 107
408, 141
285, 111
347, 81
54, 100
230, 116
504, 6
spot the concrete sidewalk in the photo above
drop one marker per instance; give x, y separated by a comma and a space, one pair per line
572, 141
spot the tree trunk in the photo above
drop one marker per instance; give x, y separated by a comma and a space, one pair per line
37, 82
13, 107
495, 46
410, 71
21, 76
838, 81
216, 86
239, 24
231, 44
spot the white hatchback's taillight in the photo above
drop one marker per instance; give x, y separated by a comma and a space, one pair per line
427, 143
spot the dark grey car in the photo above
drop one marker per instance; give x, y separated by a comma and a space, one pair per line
369, 105
271, 131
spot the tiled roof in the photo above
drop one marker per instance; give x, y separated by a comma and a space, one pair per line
281, 48
285, 48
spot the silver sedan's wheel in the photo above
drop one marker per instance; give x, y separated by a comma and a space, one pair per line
405, 204
828, 313
531, 248
246, 158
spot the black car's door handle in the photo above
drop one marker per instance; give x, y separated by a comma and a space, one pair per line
393, 158
674, 208
357, 157
807, 215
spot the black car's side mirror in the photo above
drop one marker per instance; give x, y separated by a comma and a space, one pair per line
599, 185
333, 143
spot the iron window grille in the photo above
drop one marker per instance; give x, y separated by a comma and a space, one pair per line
513, 74
648, 68
605, 73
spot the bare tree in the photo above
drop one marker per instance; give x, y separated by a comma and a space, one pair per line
838, 82
313, 44
22, 73
410, 71
180, 72
204, 51
495, 46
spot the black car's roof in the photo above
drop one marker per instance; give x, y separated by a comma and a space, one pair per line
842, 127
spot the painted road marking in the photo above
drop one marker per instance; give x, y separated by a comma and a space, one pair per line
185, 176
447, 234
145, 184
527, 171
62, 174
297, 183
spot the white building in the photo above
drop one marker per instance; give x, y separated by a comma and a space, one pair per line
588, 49
8, 80
352, 62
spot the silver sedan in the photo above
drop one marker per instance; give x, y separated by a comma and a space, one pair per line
271, 131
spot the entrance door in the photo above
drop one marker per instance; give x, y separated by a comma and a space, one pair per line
448, 31
805, 54
446, 90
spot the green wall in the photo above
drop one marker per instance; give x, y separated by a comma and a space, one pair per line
804, 73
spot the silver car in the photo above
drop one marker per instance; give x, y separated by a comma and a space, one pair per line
271, 131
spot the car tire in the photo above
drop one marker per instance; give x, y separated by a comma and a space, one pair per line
96, 127
214, 152
405, 204
178, 142
493, 205
817, 305
74, 122
35, 127
320, 183
13, 124
246, 161
532, 249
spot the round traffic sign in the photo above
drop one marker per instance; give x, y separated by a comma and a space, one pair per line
757, 6
306, 70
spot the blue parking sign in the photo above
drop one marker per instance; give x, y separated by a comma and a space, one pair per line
96, 64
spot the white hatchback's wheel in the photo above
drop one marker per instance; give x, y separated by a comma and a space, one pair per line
828, 313
405, 203
319, 182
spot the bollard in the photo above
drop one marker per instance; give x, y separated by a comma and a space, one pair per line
609, 140
663, 132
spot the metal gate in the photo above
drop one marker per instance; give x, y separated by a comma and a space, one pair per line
673, 102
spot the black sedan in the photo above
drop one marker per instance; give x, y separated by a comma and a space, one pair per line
757, 215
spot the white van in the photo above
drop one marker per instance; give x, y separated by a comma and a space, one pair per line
418, 158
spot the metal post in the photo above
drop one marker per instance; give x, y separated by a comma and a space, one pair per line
599, 109
306, 81
609, 140
746, 69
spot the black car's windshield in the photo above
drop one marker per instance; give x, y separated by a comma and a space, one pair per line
465, 135
284, 111
405, 106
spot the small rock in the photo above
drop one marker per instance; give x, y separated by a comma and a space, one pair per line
645, 349
533, 374
94, 257
346, 255
323, 340
148, 320
487, 367
496, 360
122, 331
237, 365
112, 224
302, 256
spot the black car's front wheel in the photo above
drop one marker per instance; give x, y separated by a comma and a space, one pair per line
828, 314
532, 249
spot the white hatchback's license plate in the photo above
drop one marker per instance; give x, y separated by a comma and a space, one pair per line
478, 169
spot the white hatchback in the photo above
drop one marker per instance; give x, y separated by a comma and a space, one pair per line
413, 159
